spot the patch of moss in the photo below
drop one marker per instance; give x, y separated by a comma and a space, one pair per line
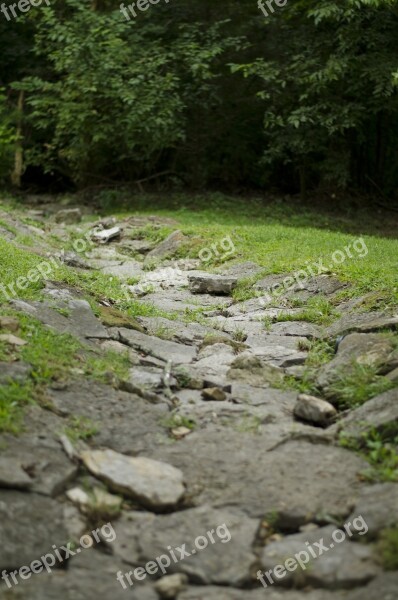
112, 317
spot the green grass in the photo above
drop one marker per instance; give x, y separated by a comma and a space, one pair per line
13, 398
52, 356
388, 549
176, 420
380, 448
282, 237
318, 310
359, 385
80, 428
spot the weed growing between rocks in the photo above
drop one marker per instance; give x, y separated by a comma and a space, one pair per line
380, 448
359, 385
388, 549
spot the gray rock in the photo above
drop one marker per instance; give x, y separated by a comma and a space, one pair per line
393, 375
378, 506
248, 368
140, 537
168, 247
76, 582
185, 333
16, 371
214, 394
242, 270
80, 322
228, 593
125, 271
371, 349
170, 586
383, 587
106, 235
336, 565
280, 351
12, 475
126, 423
300, 481
162, 349
376, 413
30, 524
314, 410
285, 285
154, 484
136, 246
68, 216
182, 301
206, 283
297, 328
362, 323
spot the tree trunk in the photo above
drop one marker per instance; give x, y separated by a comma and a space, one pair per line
16, 175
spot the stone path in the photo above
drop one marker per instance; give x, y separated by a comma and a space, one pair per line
201, 434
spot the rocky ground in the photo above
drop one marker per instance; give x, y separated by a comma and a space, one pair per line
208, 427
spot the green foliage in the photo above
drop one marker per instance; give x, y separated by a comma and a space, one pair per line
204, 93
388, 549
80, 428
359, 385
318, 310
8, 137
177, 420
380, 448
13, 397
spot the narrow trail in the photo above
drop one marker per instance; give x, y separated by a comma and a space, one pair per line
202, 435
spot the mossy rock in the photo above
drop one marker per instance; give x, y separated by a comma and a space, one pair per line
112, 317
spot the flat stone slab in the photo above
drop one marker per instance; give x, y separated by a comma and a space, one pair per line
154, 484
162, 349
297, 329
76, 582
12, 474
184, 333
375, 413
298, 480
125, 422
383, 587
370, 349
168, 247
125, 271
43, 467
29, 525
207, 283
362, 323
341, 565
241, 270
378, 505
80, 322
182, 300
140, 537
227, 593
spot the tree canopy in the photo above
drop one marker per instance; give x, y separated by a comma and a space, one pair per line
211, 94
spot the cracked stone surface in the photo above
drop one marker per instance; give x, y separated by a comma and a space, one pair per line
185, 461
